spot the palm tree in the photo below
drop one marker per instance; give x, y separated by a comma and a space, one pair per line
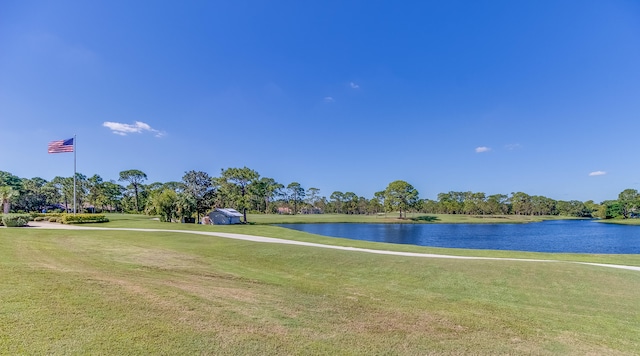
6, 193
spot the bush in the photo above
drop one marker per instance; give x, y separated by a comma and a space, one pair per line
40, 218
425, 218
83, 219
15, 220
54, 219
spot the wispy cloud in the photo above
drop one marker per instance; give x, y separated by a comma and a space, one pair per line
597, 173
482, 149
513, 146
354, 85
328, 99
125, 129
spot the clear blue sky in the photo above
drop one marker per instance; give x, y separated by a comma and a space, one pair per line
492, 96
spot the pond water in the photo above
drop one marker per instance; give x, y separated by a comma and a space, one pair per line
571, 236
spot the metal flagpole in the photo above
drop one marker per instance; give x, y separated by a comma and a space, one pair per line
74, 174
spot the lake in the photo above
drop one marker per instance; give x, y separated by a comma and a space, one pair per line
570, 236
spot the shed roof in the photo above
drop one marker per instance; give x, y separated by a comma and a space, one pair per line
229, 212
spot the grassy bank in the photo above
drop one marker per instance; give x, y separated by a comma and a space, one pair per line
122, 292
118, 292
622, 221
143, 221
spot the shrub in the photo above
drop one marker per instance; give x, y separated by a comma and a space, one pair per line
425, 218
83, 218
39, 218
15, 220
53, 219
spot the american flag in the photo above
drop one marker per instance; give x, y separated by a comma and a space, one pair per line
61, 146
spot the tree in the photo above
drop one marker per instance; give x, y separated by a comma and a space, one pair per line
196, 186
296, 195
497, 204
95, 190
33, 196
401, 195
451, 203
521, 203
629, 200
163, 202
313, 197
240, 178
374, 205
337, 198
186, 205
6, 194
135, 178
350, 203
265, 189
112, 195
9, 179
63, 190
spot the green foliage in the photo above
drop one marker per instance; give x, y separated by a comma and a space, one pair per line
14, 220
235, 183
629, 200
425, 218
7, 193
83, 218
164, 202
296, 194
401, 196
614, 210
135, 178
198, 193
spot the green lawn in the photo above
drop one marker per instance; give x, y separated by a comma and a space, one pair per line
622, 221
143, 221
122, 292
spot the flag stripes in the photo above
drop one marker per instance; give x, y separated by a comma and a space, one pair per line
60, 146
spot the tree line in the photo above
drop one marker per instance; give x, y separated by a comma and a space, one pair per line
246, 191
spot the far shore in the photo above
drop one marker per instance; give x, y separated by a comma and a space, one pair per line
393, 218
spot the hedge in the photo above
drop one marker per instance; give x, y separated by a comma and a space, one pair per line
82, 218
15, 220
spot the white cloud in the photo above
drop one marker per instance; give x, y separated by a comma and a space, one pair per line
482, 149
597, 173
328, 99
513, 146
354, 85
124, 129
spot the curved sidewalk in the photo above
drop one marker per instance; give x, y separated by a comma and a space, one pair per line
263, 239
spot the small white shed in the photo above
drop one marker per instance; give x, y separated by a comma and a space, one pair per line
225, 217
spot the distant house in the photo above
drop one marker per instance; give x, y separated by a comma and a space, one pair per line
225, 217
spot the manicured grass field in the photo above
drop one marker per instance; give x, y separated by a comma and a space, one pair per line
123, 292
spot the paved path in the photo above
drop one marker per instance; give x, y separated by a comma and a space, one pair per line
48, 225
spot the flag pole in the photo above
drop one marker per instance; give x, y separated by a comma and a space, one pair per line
74, 174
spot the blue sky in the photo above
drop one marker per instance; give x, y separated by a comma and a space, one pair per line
494, 96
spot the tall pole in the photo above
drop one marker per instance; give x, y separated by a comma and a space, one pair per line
74, 174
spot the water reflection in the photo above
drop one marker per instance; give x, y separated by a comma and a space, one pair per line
572, 236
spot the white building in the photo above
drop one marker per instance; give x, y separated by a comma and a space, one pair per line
225, 217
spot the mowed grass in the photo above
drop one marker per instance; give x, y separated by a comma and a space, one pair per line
143, 221
123, 292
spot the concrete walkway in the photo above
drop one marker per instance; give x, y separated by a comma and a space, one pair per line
263, 239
